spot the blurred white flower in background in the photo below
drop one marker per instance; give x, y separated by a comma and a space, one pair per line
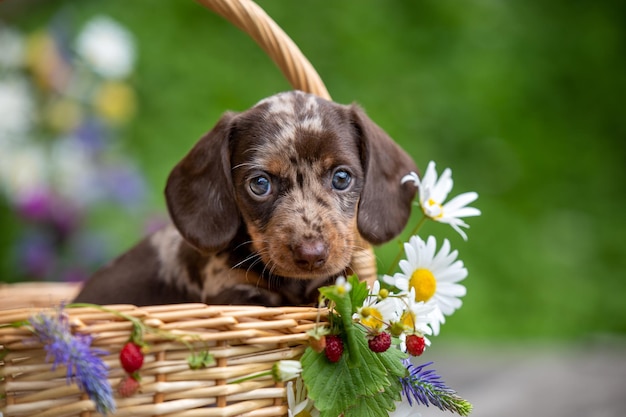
23, 169
12, 47
74, 174
107, 47
20, 162
17, 109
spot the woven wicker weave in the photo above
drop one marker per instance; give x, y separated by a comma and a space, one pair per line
244, 340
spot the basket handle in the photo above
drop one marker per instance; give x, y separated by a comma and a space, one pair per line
250, 18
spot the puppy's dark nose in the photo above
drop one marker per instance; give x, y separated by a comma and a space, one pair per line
310, 254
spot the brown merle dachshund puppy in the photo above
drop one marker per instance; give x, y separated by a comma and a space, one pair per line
267, 207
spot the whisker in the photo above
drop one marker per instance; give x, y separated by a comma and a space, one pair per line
246, 259
247, 242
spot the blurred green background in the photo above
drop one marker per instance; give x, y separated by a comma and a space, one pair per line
523, 100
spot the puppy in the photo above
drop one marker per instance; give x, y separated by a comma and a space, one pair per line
267, 207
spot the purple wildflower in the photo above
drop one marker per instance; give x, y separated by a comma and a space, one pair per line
43, 206
426, 387
84, 366
92, 135
35, 205
36, 254
124, 184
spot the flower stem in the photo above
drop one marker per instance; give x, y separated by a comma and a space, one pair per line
251, 377
414, 232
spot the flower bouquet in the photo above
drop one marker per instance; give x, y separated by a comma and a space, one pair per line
372, 332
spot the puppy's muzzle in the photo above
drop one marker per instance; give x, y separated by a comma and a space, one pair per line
310, 254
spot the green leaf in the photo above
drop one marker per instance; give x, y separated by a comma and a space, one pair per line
380, 404
375, 406
392, 362
333, 397
359, 292
200, 360
375, 382
348, 384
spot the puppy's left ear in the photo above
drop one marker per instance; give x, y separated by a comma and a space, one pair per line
385, 203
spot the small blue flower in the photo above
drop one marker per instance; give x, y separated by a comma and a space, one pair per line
84, 366
426, 387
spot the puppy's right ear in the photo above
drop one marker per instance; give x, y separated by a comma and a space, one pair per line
199, 191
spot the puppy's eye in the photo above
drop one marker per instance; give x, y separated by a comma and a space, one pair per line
341, 179
260, 186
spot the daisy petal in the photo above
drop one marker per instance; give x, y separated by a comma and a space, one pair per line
443, 186
463, 212
461, 200
459, 231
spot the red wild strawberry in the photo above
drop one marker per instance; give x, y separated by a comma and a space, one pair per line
380, 342
334, 348
415, 345
127, 386
131, 357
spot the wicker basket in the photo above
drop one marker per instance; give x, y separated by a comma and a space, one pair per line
244, 341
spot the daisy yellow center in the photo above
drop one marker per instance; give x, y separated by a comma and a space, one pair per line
303, 413
408, 319
424, 283
434, 209
372, 318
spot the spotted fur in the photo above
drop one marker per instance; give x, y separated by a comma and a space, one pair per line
266, 207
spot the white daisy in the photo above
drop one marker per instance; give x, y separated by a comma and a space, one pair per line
415, 318
342, 286
434, 276
379, 309
300, 405
433, 192
417, 315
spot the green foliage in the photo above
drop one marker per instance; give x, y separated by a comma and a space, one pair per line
358, 293
374, 379
379, 405
364, 383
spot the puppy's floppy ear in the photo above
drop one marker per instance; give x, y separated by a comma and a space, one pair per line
199, 191
385, 203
